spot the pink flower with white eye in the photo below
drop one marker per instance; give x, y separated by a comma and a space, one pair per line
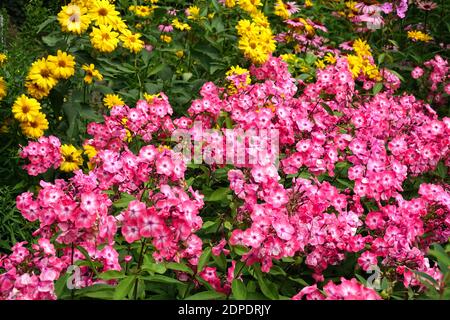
358, 147
277, 197
417, 72
259, 174
130, 230
356, 172
253, 238
374, 220
135, 209
46, 246
237, 237
48, 274
310, 292
64, 210
304, 125
164, 165
367, 260
85, 219
303, 145
283, 229
150, 224
219, 248
148, 153
89, 202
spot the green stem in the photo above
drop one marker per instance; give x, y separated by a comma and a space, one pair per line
140, 260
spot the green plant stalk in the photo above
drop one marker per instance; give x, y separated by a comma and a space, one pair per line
140, 260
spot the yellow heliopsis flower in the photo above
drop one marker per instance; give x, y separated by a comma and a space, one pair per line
141, 11
41, 73
131, 41
308, 4
166, 38
250, 6
230, 3
36, 127
180, 25
72, 158
2, 88
35, 91
103, 12
119, 25
417, 35
90, 151
329, 58
256, 41
74, 18
281, 10
320, 64
361, 48
194, 13
179, 53
3, 58
112, 100
91, 73
63, 65
104, 39
25, 109
149, 97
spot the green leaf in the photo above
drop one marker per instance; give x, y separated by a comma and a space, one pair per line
124, 287
377, 88
161, 279
240, 250
300, 281
51, 40
98, 291
219, 194
123, 201
327, 108
111, 274
442, 257
88, 258
267, 288
45, 23
153, 267
239, 289
179, 267
156, 69
441, 170
221, 261
61, 286
204, 259
207, 295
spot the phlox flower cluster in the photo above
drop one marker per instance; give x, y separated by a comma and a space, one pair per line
328, 130
31, 273
346, 290
437, 79
383, 139
42, 155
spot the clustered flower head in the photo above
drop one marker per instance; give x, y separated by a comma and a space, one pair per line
255, 36
382, 139
31, 273
108, 28
42, 155
346, 290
